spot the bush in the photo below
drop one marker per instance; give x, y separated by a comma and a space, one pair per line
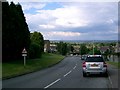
34, 51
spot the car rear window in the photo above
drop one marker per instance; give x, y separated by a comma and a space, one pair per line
94, 59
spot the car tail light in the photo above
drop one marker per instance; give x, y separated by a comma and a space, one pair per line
105, 65
84, 64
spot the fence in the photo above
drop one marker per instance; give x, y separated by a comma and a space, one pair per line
113, 58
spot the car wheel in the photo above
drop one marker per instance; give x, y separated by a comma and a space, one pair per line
84, 74
106, 74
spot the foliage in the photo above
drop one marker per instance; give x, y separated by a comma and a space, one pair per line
62, 48
69, 48
16, 35
107, 52
37, 45
72, 48
34, 50
96, 51
83, 49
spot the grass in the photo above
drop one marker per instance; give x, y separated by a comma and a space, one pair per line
0, 70
116, 64
16, 68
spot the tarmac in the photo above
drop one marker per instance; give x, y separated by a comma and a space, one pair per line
113, 75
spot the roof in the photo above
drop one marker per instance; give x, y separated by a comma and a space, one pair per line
94, 55
104, 48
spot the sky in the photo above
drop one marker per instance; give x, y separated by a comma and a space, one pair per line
72, 20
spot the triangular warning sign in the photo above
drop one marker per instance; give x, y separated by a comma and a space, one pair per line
24, 51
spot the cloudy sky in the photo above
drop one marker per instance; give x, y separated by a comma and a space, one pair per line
73, 20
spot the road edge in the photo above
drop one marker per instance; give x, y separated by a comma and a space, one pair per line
6, 78
111, 80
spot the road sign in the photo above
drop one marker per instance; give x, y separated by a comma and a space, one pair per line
24, 54
24, 51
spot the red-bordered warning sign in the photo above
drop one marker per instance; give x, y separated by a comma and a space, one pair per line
24, 51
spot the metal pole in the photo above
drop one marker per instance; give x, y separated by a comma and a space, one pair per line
24, 61
93, 47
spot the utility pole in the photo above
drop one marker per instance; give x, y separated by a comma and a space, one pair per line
93, 47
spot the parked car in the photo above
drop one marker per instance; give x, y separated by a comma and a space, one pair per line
94, 64
83, 57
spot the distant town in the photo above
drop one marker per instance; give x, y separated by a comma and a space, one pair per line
109, 48
102, 45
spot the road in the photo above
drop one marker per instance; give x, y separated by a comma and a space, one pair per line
66, 74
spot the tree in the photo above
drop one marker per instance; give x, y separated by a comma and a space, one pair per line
16, 35
72, 48
96, 51
83, 49
69, 48
6, 32
62, 48
37, 45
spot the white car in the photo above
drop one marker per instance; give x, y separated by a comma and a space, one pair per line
94, 64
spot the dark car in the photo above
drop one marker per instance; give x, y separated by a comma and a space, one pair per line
83, 57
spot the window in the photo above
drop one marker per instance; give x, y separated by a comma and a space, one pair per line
94, 59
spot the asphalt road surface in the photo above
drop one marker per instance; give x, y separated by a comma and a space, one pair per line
66, 74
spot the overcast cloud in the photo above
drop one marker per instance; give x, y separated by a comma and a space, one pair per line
73, 21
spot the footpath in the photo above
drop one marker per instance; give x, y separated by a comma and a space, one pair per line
114, 73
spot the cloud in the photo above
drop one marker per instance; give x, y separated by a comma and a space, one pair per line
66, 17
28, 6
65, 34
70, 17
73, 20
61, 35
65, 1
48, 26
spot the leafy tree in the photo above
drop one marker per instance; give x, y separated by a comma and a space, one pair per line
107, 52
102, 44
83, 49
62, 48
69, 48
37, 45
59, 47
72, 48
96, 51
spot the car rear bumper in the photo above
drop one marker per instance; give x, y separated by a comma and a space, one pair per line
104, 70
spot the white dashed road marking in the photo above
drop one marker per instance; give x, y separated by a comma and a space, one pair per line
59, 78
52, 83
110, 80
67, 73
74, 67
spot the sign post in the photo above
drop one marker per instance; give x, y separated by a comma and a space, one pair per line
24, 54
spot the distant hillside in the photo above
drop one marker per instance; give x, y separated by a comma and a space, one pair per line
85, 41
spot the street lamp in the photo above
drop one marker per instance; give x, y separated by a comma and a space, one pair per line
93, 47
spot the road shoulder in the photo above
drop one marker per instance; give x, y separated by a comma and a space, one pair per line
113, 75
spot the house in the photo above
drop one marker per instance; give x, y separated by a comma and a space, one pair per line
53, 48
46, 45
76, 48
117, 48
103, 49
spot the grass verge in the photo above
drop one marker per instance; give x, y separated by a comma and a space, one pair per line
116, 64
0, 70
17, 68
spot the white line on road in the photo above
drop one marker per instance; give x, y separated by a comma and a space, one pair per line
67, 73
74, 67
52, 83
110, 80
